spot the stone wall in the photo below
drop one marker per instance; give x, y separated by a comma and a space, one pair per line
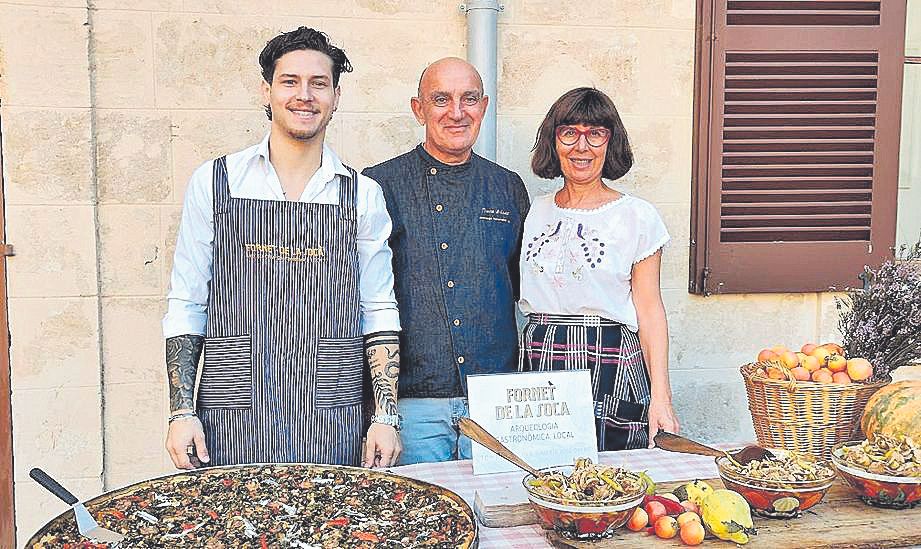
108, 106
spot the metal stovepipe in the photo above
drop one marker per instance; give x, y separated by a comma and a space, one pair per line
482, 23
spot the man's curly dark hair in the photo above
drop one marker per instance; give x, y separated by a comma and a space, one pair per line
302, 38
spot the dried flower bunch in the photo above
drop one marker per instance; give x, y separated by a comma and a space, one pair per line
882, 321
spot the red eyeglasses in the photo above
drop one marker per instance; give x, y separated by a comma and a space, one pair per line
596, 137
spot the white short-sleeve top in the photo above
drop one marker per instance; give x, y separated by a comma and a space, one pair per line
579, 262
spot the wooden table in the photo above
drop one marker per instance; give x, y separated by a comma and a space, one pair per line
841, 520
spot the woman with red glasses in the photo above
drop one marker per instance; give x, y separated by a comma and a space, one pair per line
590, 263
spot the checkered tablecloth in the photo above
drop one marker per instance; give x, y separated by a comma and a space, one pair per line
458, 476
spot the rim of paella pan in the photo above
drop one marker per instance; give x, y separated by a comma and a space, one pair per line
471, 541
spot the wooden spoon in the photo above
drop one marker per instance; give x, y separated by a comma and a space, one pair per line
676, 443
475, 432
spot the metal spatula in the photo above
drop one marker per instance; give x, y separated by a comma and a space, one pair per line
85, 523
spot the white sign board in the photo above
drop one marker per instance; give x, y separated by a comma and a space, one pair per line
547, 418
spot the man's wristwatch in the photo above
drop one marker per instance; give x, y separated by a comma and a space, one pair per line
393, 420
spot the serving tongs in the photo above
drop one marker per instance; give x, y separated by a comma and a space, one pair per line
478, 434
87, 525
677, 443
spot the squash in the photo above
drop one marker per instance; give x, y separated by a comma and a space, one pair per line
894, 410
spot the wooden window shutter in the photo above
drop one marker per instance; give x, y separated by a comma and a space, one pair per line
797, 113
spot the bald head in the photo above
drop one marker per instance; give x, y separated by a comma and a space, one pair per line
449, 65
451, 106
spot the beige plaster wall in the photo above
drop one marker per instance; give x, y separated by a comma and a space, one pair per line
909, 208
106, 111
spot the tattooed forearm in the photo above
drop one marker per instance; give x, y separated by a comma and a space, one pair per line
182, 354
383, 352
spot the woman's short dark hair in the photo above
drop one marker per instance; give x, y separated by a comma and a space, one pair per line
589, 107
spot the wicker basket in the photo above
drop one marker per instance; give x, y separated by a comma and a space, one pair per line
808, 417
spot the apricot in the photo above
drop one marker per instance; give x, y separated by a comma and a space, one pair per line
638, 520
859, 369
775, 373
666, 527
686, 517
821, 354
693, 533
808, 348
691, 506
834, 348
840, 377
767, 355
655, 511
801, 374
837, 363
822, 375
810, 363
788, 359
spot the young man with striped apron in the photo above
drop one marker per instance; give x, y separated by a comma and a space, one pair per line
282, 276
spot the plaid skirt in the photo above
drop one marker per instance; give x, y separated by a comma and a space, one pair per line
620, 382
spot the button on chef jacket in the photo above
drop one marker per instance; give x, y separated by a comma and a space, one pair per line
251, 175
456, 240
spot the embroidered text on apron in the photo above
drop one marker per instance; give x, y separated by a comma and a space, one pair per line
283, 358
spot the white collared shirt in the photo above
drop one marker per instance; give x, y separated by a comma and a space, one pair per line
251, 175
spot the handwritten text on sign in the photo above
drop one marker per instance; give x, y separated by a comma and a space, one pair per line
546, 418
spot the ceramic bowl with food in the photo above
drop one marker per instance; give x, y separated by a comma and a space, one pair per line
586, 517
779, 488
878, 489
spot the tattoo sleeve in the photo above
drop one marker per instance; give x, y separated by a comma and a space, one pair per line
182, 354
383, 352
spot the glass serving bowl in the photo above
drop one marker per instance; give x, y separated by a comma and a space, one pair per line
886, 491
582, 519
775, 499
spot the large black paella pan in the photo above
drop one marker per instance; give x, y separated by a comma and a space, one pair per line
274, 506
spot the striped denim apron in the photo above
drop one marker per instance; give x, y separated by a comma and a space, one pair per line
283, 359
612, 353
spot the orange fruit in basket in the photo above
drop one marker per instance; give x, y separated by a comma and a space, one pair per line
859, 369
837, 363
801, 374
788, 359
810, 363
775, 373
822, 375
808, 348
841, 377
834, 348
767, 355
821, 354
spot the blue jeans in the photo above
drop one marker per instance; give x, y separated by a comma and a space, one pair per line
430, 430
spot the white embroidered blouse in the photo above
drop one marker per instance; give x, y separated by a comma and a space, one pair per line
579, 262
